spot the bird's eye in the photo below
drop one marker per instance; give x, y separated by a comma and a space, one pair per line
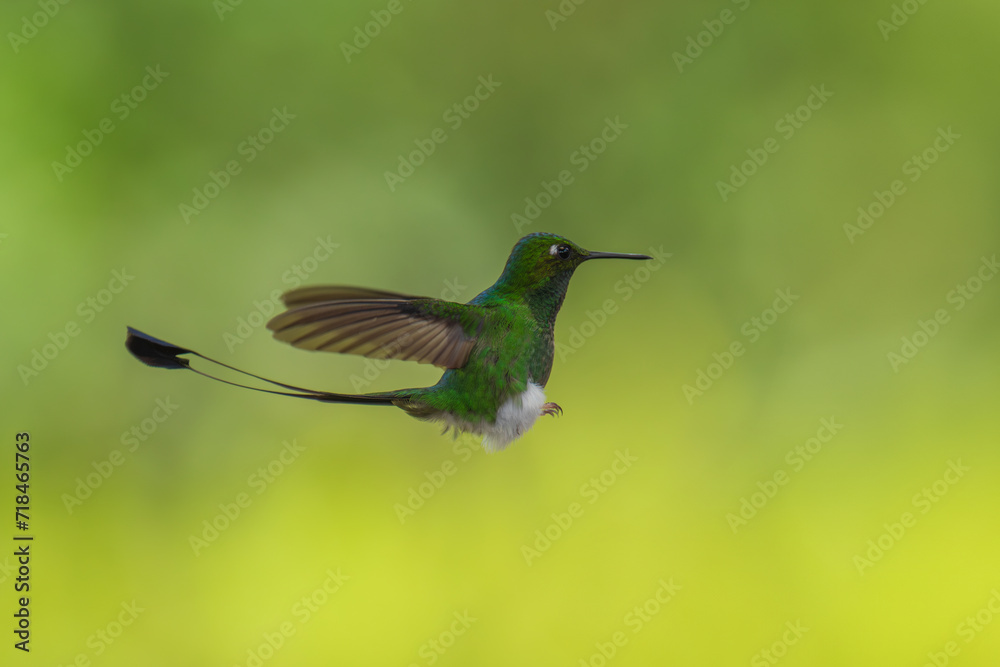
563, 251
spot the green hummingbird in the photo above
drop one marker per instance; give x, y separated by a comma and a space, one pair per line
496, 350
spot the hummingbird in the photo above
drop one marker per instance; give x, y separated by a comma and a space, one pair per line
497, 349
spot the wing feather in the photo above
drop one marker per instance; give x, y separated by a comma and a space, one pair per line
326, 293
378, 324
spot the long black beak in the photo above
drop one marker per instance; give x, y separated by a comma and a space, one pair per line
614, 255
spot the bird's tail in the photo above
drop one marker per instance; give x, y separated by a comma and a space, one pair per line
161, 354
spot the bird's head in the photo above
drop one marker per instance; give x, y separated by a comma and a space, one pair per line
544, 261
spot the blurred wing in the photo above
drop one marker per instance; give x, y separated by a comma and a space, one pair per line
382, 325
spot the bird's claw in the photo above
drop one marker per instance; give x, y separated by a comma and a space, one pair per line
552, 409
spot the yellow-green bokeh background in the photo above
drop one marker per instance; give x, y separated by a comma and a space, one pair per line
655, 186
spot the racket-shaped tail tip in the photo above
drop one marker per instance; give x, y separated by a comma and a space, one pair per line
153, 351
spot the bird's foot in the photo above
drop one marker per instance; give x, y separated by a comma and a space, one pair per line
552, 409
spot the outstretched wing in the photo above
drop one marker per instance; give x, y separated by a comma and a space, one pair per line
323, 293
378, 324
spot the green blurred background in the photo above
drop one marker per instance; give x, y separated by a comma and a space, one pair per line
667, 525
